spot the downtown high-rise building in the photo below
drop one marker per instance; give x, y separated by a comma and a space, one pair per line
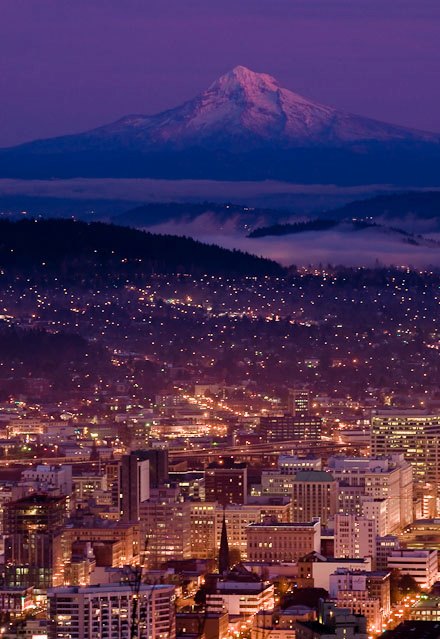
298, 401
379, 488
134, 485
314, 495
415, 434
165, 527
33, 544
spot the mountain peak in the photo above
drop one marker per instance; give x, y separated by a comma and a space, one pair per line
241, 77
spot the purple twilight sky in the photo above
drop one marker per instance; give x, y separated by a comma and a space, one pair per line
70, 65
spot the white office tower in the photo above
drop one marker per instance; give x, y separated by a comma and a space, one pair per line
355, 537
373, 487
111, 612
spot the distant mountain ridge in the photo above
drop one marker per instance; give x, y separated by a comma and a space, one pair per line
424, 205
149, 215
244, 126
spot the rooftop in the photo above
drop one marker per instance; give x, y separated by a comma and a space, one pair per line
309, 524
313, 475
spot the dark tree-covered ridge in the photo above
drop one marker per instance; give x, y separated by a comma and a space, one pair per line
74, 249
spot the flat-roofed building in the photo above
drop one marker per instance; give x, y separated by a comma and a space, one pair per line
276, 542
365, 593
241, 594
355, 536
426, 609
314, 494
286, 427
314, 570
422, 565
226, 482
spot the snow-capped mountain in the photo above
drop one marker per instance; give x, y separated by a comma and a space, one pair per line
213, 134
240, 107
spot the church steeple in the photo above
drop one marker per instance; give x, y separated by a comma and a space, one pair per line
223, 555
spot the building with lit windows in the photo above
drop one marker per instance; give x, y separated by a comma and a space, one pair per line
364, 593
275, 542
203, 529
286, 427
33, 545
298, 401
226, 482
107, 612
280, 481
134, 485
366, 481
238, 518
422, 565
314, 495
165, 525
427, 608
314, 570
355, 536
415, 434
384, 547
241, 594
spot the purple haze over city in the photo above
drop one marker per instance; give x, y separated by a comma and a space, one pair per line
68, 66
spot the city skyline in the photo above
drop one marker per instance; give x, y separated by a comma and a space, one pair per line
219, 319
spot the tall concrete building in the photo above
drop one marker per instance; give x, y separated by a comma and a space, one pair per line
158, 458
134, 485
355, 536
165, 525
203, 529
299, 401
375, 487
108, 612
314, 495
415, 434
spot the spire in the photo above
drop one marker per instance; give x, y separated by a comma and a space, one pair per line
94, 453
223, 556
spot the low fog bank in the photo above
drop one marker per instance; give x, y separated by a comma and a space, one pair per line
339, 246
